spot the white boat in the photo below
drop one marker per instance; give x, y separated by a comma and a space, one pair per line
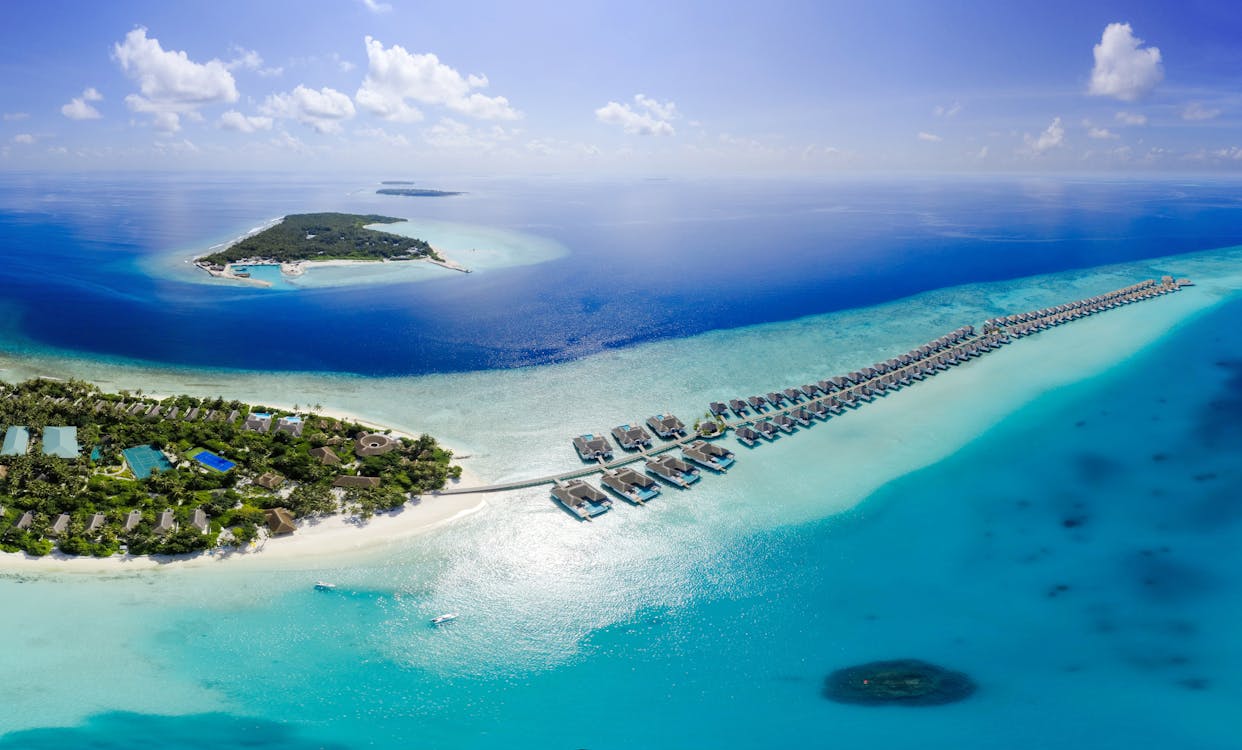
324, 586
444, 618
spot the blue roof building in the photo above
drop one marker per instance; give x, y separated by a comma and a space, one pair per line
16, 442
60, 441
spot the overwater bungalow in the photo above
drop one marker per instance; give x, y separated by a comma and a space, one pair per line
672, 470
820, 410
717, 409
758, 403
810, 390
784, 422
630, 485
581, 499
746, 436
708, 455
775, 398
826, 386
739, 407
631, 437
766, 429
793, 395
592, 447
802, 415
666, 426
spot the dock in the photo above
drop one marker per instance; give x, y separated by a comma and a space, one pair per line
831, 397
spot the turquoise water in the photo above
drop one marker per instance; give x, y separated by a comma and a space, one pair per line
1078, 559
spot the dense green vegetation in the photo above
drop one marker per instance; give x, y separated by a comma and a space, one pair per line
328, 236
48, 486
416, 192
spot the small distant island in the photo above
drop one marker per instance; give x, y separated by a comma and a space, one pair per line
322, 238
94, 473
417, 192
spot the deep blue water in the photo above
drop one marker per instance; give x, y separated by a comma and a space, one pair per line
647, 260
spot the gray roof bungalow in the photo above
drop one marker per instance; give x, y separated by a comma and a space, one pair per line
363, 482
257, 422
60, 441
60, 525
325, 456
291, 425
199, 520
270, 480
25, 521
132, 519
16, 442
97, 523
167, 522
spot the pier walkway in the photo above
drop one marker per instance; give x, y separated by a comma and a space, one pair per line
837, 395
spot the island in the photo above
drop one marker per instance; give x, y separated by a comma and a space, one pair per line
417, 192
322, 238
93, 473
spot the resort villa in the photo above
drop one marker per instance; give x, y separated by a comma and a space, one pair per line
290, 424
16, 442
60, 441
258, 421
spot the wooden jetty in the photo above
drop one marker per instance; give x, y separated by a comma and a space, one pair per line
829, 398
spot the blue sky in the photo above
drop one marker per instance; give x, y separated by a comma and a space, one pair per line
626, 87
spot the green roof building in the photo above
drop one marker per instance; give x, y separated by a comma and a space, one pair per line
60, 441
16, 442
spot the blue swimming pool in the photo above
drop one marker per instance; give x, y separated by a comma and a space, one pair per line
212, 461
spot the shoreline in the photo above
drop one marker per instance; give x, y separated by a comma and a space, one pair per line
300, 267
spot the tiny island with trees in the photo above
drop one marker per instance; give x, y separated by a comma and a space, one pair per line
320, 237
94, 473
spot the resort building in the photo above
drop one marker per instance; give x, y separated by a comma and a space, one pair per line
96, 524
60, 441
270, 480
16, 442
167, 522
60, 525
291, 425
25, 521
374, 444
199, 520
325, 456
358, 482
132, 519
279, 521
257, 422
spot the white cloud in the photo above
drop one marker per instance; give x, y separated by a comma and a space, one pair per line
450, 133
344, 65
248, 59
376, 7
234, 120
1101, 133
1052, 137
1233, 152
78, 109
171, 84
15, 116
395, 77
323, 110
942, 111
982, 154
24, 138
1196, 111
929, 137
1124, 70
379, 134
1131, 118
653, 119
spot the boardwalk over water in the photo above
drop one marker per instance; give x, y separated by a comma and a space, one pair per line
920, 363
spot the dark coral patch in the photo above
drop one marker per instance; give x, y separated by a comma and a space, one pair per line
901, 682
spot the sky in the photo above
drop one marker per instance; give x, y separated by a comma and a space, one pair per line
629, 88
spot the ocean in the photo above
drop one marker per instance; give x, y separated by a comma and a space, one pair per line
1058, 519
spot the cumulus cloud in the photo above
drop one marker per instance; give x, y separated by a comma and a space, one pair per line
25, 139
379, 134
929, 137
234, 120
248, 59
375, 6
396, 77
1124, 69
1233, 152
169, 82
1052, 137
1131, 118
651, 118
942, 111
1196, 111
1101, 133
78, 109
323, 110
450, 133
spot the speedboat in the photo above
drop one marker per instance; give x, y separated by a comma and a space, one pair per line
324, 586
444, 618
